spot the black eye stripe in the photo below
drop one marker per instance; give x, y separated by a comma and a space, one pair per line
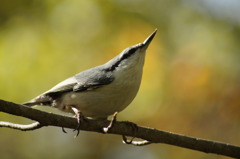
130, 52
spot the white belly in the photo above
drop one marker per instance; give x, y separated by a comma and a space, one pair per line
103, 101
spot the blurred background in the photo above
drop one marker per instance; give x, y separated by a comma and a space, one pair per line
191, 80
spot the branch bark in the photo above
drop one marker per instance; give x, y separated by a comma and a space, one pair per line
120, 128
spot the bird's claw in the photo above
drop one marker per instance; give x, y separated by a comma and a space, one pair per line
126, 141
114, 118
135, 143
63, 130
134, 128
79, 117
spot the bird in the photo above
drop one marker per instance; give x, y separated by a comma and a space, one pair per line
100, 91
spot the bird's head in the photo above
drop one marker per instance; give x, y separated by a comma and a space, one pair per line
132, 56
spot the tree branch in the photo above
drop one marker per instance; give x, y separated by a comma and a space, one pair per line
120, 128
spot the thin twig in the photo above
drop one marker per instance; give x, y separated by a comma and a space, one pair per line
21, 127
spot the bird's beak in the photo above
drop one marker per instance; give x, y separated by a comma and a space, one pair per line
148, 40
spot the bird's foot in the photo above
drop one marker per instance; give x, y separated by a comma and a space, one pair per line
134, 128
113, 120
135, 143
80, 118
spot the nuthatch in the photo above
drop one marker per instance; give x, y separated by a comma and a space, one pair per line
103, 90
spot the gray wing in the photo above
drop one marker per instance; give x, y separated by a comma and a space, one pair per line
85, 81
92, 79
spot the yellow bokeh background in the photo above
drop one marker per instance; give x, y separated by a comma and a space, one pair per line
190, 83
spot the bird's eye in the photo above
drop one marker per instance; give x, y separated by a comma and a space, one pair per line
128, 53
132, 50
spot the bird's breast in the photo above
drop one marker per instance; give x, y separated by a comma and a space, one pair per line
105, 100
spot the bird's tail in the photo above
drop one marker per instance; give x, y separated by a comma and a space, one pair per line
40, 100
31, 103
